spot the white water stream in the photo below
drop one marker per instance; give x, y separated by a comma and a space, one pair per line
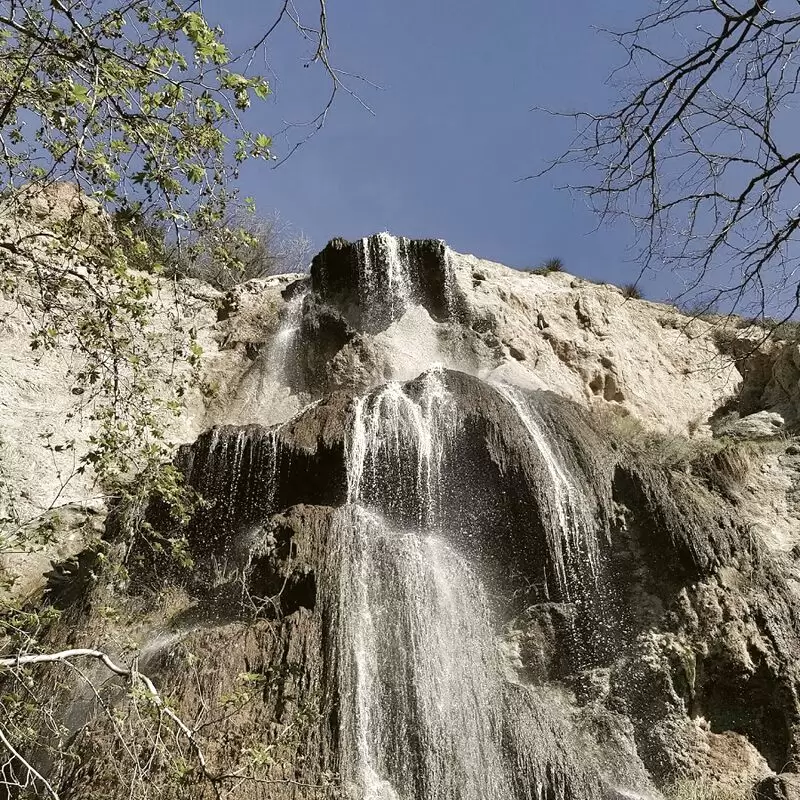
389, 423
426, 708
389, 264
281, 347
426, 712
570, 520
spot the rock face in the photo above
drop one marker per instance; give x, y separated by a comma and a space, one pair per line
376, 280
780, 787
455, 543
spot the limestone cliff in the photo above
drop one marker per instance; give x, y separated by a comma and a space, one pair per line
471, 532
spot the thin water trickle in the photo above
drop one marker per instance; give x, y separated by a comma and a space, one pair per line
395, 255
570, 523
278, 358
449, 283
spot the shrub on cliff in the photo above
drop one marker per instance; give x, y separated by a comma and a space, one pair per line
243, 246
551, 265
630, 291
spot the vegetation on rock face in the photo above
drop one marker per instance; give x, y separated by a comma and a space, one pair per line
259, 246
133, 104
132, 112
630, 291
695, 790
551, 265
136, 108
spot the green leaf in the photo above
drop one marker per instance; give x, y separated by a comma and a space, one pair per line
80, 94
195, 173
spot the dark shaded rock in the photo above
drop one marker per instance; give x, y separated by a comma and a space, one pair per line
547, 633
325, 331
721, 625
296, 288
484, 324
249, 656
691, 533
228, 306
478, 278
354, 277
779, 787
516, 353
243, 475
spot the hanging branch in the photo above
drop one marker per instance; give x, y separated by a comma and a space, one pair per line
700, 155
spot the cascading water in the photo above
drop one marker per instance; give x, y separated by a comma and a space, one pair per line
429, 706
450, 285
426, 710
388, 426
430, 585
385, 275
281, 349
271, 388
570, 519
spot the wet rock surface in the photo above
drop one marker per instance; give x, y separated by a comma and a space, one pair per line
374, 280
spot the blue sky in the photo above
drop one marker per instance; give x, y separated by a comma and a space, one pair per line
452, 130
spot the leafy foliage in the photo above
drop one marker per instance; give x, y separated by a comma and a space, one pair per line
136, 108
135, 99
121, 138
137, 104
113, 113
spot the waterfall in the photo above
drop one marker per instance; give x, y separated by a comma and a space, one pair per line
388, 427
450, 284
429, 709
385, 275
426, 711
281, 349
395, 258
234, 466
570, 519
271, 388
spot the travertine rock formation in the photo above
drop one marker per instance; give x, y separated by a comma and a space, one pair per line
470, 532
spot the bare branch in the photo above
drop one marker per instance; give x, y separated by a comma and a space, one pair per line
31, 771
699, 156
65, 656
